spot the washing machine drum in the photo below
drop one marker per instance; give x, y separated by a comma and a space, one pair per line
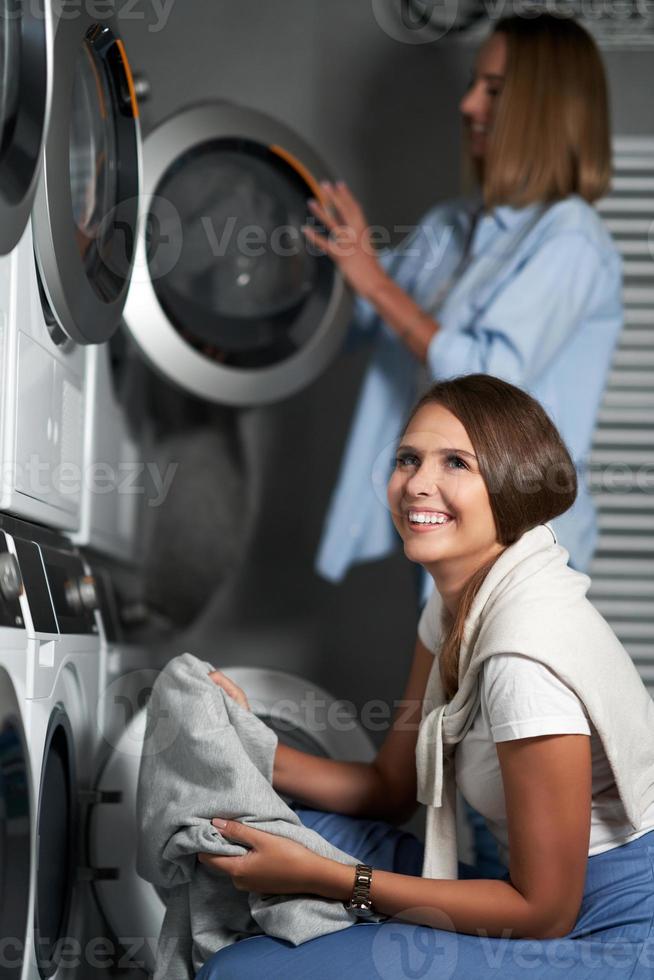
24, 60
86, 205
230, 302
15, 829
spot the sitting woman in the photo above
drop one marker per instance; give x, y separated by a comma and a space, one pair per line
522, 697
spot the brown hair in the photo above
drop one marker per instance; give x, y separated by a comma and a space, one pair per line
528, 472
551, 134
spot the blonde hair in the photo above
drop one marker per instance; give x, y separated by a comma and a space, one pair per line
551, 134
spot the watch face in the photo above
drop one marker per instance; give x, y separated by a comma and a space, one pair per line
364, 911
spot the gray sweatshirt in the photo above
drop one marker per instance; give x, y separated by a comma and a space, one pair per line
206, 756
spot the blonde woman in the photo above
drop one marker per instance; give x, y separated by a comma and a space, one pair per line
521, 697
520, 280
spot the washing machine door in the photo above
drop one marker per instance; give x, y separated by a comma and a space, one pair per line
24, 70
85, 211
15, 829
56, 837
228, 300
131, 905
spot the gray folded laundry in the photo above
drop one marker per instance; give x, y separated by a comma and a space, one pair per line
205, 756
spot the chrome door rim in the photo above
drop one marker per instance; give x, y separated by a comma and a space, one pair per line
81, 313
153, 332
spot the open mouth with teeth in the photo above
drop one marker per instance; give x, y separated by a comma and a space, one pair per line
420, 519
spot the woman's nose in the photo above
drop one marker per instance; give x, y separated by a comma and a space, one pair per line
422, 483
471, 105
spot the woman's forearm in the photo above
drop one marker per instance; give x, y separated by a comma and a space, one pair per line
415, 327
356, 789
478, 907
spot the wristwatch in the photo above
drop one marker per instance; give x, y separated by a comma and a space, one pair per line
361, 903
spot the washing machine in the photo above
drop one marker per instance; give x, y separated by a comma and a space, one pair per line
132, 907
64, 285
52, 662
25, 66
113, 453
228, 301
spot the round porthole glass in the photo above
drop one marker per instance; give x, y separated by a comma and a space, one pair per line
98, 143
85, 212
15, 829
56, 831
245, 291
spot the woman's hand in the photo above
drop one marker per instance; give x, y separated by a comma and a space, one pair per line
234, 691
349, 243
273, 865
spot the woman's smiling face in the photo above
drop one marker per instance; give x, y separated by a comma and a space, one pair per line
437, 495
479, 104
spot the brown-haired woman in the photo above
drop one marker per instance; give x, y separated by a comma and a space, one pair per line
520, 280
521, 696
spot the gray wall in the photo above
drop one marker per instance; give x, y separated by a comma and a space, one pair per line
384, 116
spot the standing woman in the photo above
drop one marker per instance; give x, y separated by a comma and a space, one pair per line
521, 281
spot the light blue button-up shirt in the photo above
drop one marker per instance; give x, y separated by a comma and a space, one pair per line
538, 303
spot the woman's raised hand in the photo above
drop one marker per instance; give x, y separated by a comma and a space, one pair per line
349, 241
234, 691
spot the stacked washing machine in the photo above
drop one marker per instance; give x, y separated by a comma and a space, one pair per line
225, 302
69, 183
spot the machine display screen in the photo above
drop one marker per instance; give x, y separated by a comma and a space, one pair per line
64, 572
36, 586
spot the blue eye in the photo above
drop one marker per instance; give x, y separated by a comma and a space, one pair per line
456, 462
406, 459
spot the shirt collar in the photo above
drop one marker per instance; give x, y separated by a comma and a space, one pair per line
503, 215
508, 217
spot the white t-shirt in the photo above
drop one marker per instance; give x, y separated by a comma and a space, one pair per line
521, 698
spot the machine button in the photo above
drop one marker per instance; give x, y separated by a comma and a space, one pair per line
89, 593
82, 594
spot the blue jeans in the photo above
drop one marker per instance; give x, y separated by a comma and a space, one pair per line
613, 938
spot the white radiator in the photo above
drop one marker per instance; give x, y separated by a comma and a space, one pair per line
622, 459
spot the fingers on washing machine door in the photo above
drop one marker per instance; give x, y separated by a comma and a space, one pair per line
234, 306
